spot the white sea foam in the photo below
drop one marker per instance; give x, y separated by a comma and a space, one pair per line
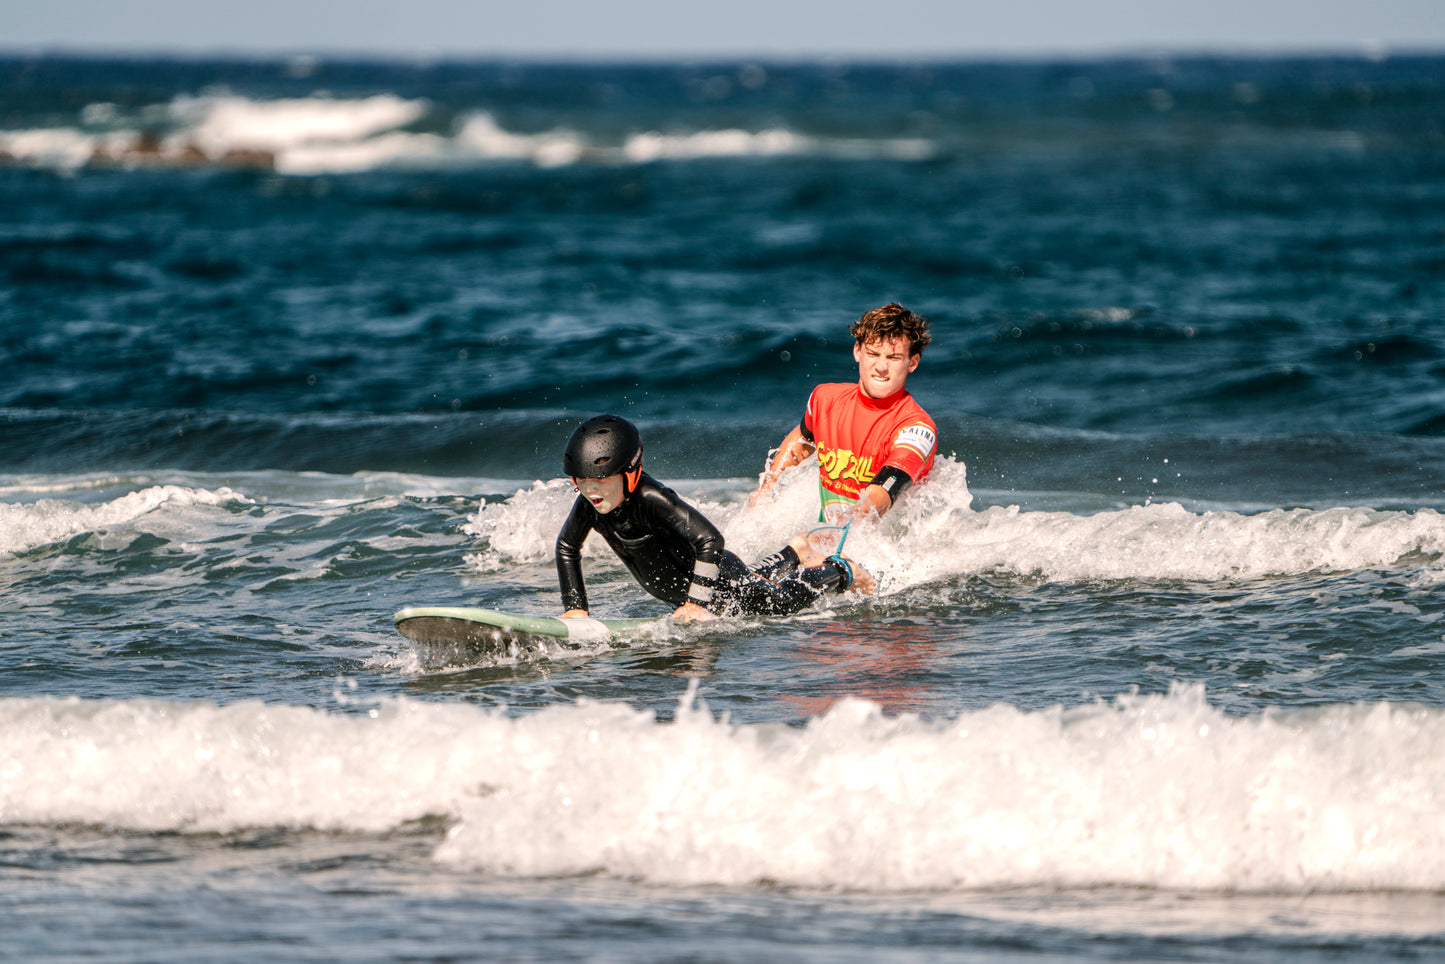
653, 146
395, 149
330, 135
482, 137
523, 528
1159, 791
934, 535
27, 525
57, 147
771, 142
221, 123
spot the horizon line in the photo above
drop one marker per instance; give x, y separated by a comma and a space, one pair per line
1364, 50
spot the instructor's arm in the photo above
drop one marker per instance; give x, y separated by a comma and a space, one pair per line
873, 501
794, 449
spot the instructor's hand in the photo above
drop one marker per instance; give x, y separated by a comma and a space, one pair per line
574, 614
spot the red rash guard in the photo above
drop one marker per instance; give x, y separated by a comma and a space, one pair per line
863, 440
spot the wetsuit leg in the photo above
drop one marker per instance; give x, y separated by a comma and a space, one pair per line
832, 576
777, 565
745, 592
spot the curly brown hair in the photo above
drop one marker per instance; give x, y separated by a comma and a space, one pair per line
893, 321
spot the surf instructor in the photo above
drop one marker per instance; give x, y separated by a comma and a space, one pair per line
872, 439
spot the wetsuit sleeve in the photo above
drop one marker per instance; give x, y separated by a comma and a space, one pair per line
569, 555
706, 541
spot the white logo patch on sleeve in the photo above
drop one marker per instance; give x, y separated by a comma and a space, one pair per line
918, 438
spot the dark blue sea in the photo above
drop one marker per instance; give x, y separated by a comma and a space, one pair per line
1156, 668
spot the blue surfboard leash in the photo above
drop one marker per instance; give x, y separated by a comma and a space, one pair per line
838, 549
837, 554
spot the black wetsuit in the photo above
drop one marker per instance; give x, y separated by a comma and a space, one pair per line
678, 556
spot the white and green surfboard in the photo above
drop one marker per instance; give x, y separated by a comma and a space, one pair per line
458, 634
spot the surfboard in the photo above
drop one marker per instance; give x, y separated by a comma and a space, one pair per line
458, 634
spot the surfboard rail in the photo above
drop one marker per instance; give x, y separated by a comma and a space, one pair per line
458, 634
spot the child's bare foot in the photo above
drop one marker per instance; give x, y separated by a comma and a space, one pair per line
863, 581
808, 557
691, 612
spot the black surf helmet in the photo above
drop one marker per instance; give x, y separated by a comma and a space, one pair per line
602, 446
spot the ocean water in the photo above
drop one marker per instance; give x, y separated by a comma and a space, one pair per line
1156, 668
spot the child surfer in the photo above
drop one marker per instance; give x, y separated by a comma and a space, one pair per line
672, 550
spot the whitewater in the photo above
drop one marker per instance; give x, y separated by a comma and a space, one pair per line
1156, 791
